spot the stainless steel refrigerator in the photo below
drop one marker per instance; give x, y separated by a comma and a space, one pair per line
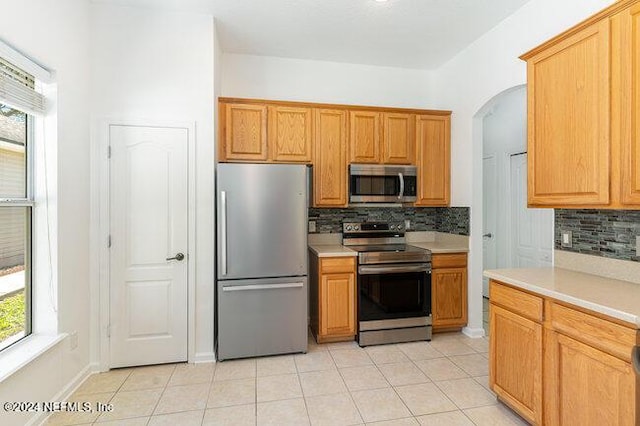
261, 286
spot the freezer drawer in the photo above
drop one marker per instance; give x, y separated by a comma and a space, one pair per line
261, 317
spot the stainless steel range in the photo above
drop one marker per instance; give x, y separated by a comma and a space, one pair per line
394, 284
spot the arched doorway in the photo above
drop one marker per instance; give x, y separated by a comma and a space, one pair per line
507, 233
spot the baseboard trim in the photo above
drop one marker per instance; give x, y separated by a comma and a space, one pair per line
66, 392
474, 333
203, 357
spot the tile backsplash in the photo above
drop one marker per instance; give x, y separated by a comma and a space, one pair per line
606, 233
453, 220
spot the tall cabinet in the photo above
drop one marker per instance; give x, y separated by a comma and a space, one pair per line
583, 107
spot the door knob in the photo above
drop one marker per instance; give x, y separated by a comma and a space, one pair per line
489, 235
177, 257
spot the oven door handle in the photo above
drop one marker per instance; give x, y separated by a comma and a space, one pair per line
393, 269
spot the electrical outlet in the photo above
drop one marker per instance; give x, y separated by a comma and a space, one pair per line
407, 224
567, 239
312, 226
73, 340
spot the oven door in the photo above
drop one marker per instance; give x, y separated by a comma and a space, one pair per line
387, 292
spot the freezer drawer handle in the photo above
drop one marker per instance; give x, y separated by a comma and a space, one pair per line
262, 287
635, 357
223, 233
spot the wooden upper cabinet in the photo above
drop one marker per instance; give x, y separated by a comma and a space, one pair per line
584, 113
290, 134
364, 137
630, 108
243, 132
568, 120
330, 165
433, 142
398, 138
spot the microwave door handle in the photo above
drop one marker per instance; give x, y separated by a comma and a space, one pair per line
401, 177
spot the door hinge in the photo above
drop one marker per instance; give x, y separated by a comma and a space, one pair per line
109, 151
109, 242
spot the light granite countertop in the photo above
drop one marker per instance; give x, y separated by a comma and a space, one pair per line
331, 250
330, 245
438, 242
615, 298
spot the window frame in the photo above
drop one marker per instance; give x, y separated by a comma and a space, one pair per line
28, 202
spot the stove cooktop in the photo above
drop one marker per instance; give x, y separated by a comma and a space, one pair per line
385, 248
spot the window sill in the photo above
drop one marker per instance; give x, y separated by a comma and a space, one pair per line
22, 353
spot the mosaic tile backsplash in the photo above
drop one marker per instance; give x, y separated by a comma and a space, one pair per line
606, 233
453, 220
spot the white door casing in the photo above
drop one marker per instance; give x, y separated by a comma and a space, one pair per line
489, 217
148, 224
532, 229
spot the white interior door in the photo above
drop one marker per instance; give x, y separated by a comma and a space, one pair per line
532, 236
148, 226
490, 221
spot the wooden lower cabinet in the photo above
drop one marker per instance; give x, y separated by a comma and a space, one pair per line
557, 364
589, 386
515, 362
333, 298
449, 291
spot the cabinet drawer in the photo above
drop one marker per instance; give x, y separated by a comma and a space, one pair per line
334, 265
600, 333
517, 301
452, 260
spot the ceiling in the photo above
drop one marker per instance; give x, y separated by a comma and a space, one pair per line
421, 34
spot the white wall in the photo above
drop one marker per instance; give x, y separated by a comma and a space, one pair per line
159, 66
56, 34
468, 82
504, 132
263, 77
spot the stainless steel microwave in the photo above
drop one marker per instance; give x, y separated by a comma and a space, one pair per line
375, 183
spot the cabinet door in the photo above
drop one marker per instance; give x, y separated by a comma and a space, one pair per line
590, 386
330, 168
630, 167
290, 134
449, 297
398, 137
515, 362
245, 132
364, 137
337, 305
433, 147
569, 120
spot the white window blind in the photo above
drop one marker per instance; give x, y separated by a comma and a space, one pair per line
17, 89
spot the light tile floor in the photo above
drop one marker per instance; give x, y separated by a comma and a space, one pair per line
442, 382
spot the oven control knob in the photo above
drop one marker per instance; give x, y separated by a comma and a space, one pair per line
356, 227
392, 227
349, 228
399, 227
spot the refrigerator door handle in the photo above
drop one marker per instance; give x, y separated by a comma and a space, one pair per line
223, 233
262, 287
